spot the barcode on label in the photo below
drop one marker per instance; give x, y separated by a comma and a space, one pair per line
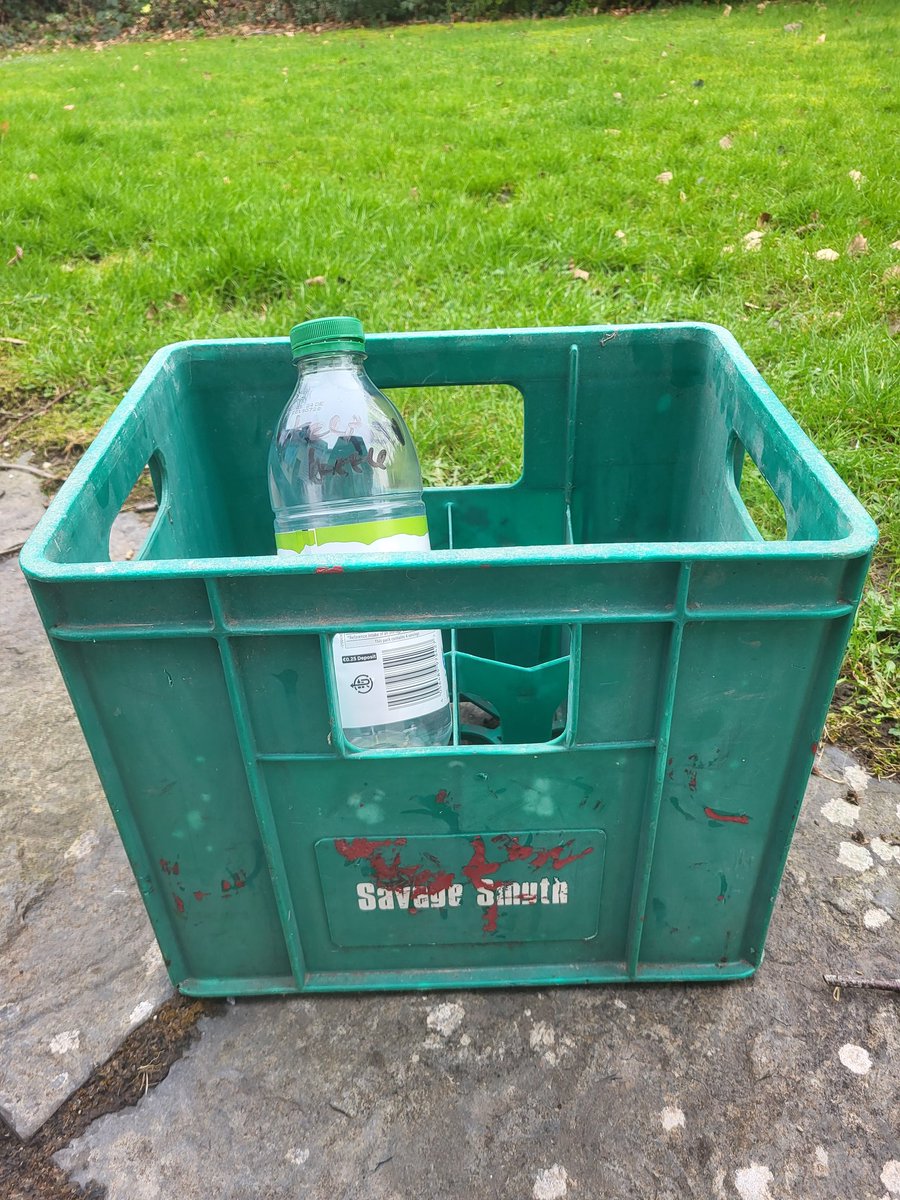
412, 673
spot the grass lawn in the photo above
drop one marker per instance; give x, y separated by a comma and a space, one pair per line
449, 177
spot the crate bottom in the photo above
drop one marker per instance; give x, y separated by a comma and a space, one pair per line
486, 977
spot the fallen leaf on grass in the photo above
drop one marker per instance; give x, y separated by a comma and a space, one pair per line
827, 255
68, 107
893, 323
32, 176
682, 196
725, 143
578, 272
10, 341
4, 128
176, 300
891, 273
793, 27
726, 11
762, 6
857, 177
763, 219
858, 245
18, 255
665, 177
152, 312
617, 95
895, 245
315, 281
753, 239
620, 234
728, 249
820, 39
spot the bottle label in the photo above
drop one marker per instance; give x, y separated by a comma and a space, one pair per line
396, 675
405, 533
390, 676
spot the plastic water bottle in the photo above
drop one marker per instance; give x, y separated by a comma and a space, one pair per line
344, 477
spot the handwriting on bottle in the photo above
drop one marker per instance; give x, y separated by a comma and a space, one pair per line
318, 469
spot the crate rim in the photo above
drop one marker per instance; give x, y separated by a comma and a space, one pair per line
861, 538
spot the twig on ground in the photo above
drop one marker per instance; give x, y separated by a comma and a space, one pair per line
859, 981
38, 412
343, 1111
821, 775
5, 466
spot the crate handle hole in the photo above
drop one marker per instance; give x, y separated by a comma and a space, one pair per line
763, 507
465, 434
139, 515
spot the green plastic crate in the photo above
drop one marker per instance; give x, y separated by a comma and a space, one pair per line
660, 673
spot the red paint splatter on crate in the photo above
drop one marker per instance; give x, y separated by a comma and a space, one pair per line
393, 875
815, 747
475, 870
362, 847
200, 895
514, 849
226, 886
478, 866
329, 570
179, 903
240, 879
735, 818
720, 898
442, 797
542, 857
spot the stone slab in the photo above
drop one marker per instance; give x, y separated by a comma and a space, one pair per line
769, 1089
78, 965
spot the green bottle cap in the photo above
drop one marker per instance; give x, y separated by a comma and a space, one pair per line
327, 335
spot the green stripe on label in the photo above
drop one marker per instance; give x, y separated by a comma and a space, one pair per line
366, 532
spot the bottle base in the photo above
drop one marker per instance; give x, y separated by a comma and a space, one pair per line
434, 729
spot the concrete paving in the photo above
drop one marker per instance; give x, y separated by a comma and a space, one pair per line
762, 1090
80, 967
768, 1089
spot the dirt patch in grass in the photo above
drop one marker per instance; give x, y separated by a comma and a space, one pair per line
873, 737
27, 1170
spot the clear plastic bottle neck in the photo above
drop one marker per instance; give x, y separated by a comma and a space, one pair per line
341, 360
